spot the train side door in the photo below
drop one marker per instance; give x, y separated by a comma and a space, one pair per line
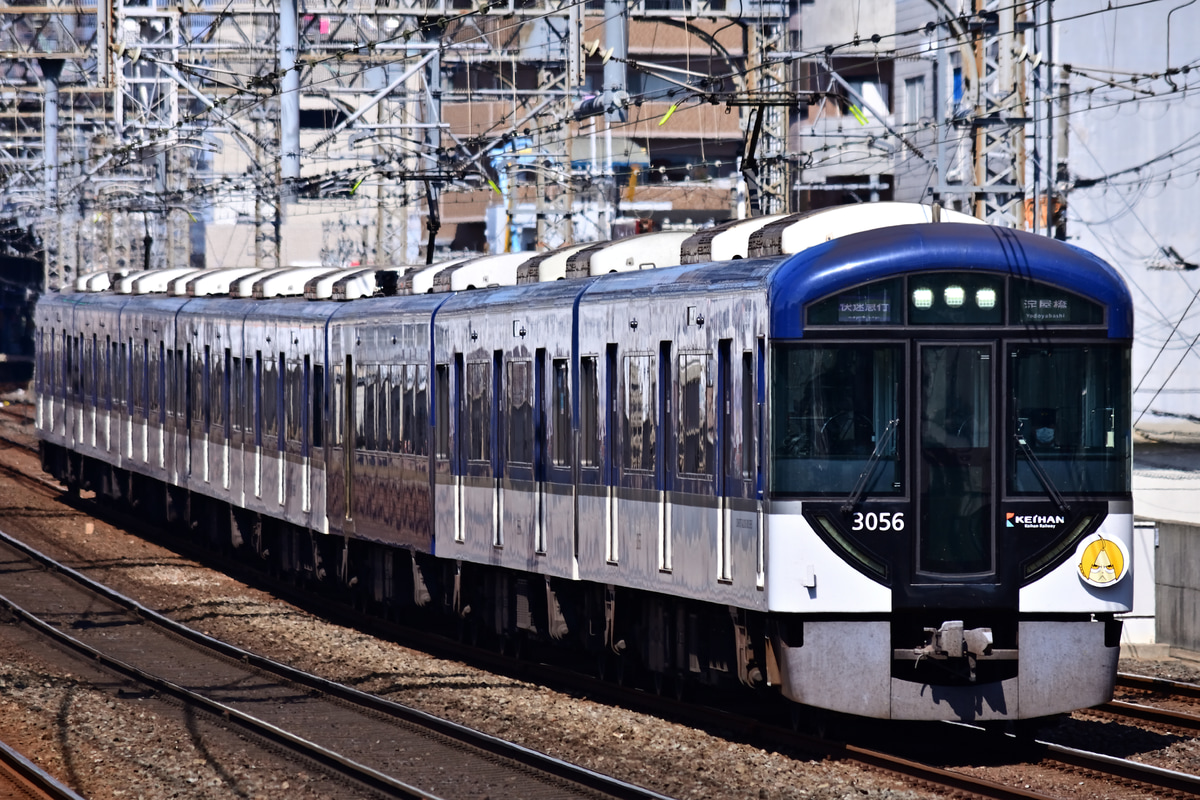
89, 390
612, 477
461, 446
540, 450
664, 462
350, 414
728, 471
955, 537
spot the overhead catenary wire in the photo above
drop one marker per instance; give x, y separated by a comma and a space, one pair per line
132, 151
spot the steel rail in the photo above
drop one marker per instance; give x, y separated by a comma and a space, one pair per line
1159, 777
1159, 716
21, 768
1162, 685
315, 752
606, 785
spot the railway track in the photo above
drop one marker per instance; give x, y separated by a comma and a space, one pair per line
918, 767
382, 746
1155, 691
1158, 686
21, 778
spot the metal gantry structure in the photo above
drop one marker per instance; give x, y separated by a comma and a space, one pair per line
148, 133
982, 157
132, 128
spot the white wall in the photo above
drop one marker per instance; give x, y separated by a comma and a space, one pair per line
1128, 218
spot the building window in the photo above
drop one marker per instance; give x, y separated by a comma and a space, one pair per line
914, 99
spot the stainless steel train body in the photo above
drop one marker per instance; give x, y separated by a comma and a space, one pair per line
889, 475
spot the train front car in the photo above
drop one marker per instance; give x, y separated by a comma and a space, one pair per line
950, 517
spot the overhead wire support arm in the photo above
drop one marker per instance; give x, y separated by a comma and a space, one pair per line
750, 165
861, 103
171, 73
759, 99
434, 222
372, 102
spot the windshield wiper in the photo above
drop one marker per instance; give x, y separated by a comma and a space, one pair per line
861, 484
1042, 476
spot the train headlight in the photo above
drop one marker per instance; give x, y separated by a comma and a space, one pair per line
954, 296
922, 298
985, 298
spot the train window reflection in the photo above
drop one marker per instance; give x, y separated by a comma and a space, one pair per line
479, 406
830, 405
589, 412
640, 393
695, 441
1071, 405
520, 412
954, 468
420, 420
560, 445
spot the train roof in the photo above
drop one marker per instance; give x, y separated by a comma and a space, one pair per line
292, 310
839, 248
371, 308
796, 233
873, 255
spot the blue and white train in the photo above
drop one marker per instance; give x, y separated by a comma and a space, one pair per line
887, 471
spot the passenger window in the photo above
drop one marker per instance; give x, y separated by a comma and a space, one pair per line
441, 388
318, 406
639, 413
269, 383
396, 410
420, 426
294, 401
364, 410
183, 395
695, 441
589, 411
219, 390
237, 405
155, 381
479, 422
384, 410
520, 419
339, 397
560, 445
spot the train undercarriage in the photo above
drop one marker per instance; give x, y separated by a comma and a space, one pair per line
622, 632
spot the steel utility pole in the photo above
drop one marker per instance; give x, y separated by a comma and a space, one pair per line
987, 168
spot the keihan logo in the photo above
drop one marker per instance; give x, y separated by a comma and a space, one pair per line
1013, 520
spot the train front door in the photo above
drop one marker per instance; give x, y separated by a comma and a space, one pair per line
954, 538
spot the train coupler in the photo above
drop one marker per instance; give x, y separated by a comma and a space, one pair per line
951, 641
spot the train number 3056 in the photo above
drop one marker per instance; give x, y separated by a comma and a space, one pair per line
882, 521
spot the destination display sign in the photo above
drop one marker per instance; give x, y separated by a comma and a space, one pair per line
1039, 304
870, 304
1035, 309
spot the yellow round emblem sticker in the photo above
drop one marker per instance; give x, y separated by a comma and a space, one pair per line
1103, 563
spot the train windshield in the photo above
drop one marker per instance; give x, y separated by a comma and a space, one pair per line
1071, 406
833, 405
